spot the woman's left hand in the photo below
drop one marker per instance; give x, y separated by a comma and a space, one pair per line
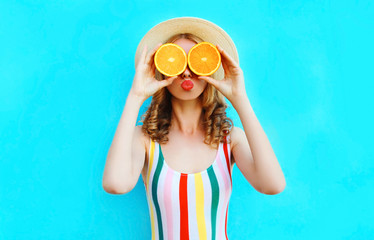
232, 85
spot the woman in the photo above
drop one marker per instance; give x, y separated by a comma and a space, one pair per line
186, 147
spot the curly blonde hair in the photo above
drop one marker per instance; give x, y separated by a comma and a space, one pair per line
157, 119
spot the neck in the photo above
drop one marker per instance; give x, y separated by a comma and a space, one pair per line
186, 116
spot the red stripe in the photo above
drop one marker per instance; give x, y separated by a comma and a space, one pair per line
226, 223
183, 207
227, 156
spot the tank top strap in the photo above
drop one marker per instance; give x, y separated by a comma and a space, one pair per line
227, 152
153, 158
154, 151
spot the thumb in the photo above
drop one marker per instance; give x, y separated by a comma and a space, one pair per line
210, 80
168, 81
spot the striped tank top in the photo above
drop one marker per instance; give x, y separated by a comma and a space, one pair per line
188, 206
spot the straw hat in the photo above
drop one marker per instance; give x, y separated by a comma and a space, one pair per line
202, 28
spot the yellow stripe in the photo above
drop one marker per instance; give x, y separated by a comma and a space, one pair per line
149, 198
200, 206
150, 162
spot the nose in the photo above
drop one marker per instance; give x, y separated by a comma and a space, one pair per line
187, 73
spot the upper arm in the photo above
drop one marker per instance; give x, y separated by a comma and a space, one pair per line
138, 154
242, 154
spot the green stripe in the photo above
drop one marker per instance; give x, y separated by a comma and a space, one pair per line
154, 192
215, 197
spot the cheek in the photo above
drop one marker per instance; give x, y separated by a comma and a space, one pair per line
169, 88
172, 86
202, 83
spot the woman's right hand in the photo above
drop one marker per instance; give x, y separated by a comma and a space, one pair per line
145, 84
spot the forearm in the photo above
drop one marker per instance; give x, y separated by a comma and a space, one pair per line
118, 165
268, 170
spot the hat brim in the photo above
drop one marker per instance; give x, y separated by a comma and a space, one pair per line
202, 28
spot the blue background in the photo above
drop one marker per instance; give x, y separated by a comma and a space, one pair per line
66, 68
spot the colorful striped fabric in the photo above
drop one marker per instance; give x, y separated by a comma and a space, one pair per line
188, 206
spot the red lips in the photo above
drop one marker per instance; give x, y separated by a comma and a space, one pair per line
187, 85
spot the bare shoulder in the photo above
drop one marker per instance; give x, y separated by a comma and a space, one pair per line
142, 146
141, 137
237, 135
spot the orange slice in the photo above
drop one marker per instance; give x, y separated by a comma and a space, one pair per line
204, 59
170, 59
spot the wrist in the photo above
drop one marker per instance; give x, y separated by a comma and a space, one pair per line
135, 98
239, 99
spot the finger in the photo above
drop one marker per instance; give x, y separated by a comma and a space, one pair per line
210, 80
153, 68
224, 65
150, 55
144, 52
167, 81
226, 56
